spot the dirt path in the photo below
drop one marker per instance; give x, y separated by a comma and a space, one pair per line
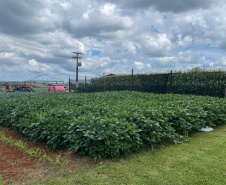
16, 167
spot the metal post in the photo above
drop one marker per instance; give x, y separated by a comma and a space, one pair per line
69, 84
132, 79
104, 81
85, 83
225, 90
171, 81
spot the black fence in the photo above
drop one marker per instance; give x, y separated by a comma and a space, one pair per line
206, 83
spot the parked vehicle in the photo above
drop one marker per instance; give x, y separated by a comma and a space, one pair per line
58, 88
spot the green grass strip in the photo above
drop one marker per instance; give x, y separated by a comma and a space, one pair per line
1, 182
200, 161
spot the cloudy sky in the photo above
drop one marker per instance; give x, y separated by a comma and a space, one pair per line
38, 36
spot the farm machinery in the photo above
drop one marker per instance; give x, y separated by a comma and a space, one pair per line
47, 81
18, 87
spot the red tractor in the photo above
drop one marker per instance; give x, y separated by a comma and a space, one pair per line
18, 87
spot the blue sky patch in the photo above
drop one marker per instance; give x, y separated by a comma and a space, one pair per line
95, 53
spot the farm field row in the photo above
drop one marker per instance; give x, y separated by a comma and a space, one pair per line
108, 124
21, 162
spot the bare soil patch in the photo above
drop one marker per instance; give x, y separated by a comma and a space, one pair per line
14, 164
17, 167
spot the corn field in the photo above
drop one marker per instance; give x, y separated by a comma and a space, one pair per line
205, 83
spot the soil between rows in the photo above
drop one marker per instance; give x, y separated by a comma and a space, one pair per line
17, 167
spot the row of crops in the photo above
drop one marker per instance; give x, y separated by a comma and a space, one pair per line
200, 83
108, 124
211, 83
1, 87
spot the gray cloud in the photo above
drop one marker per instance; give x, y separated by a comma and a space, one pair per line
115, 36
20, 17
175, 6
223, 45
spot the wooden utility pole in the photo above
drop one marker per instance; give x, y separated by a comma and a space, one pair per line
77, 56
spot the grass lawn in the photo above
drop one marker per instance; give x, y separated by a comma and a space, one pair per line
2, 89
38, 89
202, 160
41, 89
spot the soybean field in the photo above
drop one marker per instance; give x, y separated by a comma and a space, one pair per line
108, 124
